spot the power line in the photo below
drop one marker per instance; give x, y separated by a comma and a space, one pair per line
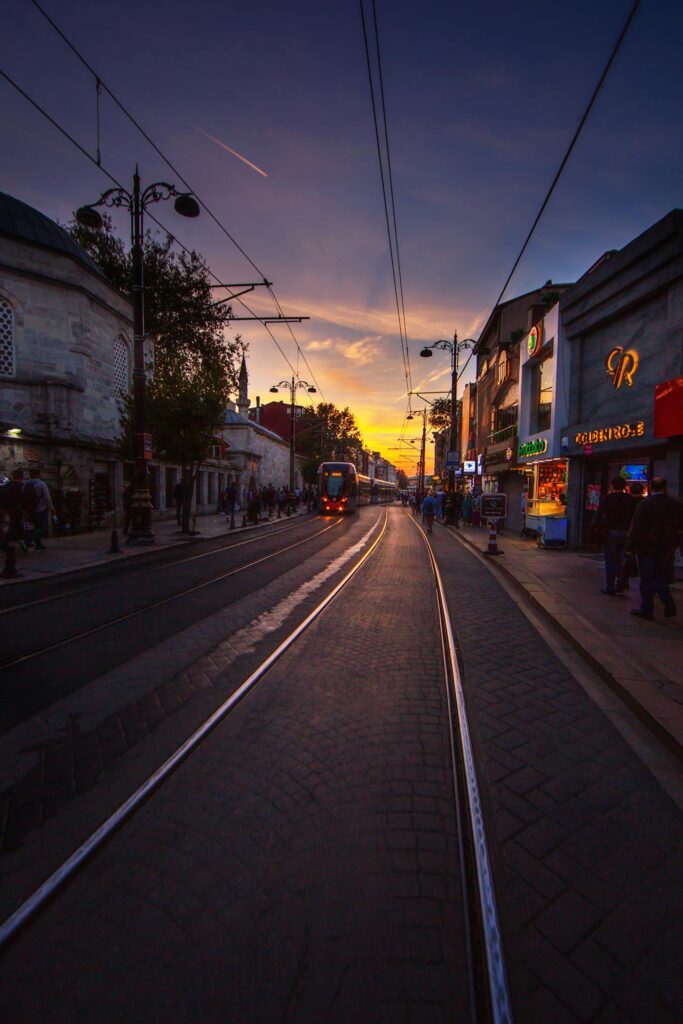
115, 181
163, 156
566, 156
384, 197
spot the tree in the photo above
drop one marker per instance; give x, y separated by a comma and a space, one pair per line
401, 480
195, 364
326, 433
440, 414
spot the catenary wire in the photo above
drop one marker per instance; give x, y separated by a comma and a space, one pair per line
166, 160
565, 158
384, 192
115, 181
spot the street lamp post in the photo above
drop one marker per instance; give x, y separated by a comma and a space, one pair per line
455, 347
421, 473
136, 203
292, 385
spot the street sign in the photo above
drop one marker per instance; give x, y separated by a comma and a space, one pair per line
452, 460
493, 506
147, 445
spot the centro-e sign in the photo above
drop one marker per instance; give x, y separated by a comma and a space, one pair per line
537, 447
614, 433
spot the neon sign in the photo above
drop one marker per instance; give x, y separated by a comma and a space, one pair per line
537, 447
621, 364
614, 433
535, 339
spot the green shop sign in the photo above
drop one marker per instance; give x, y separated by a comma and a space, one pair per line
537, 447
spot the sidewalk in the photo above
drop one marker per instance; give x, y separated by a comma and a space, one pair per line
85, 550
642, 661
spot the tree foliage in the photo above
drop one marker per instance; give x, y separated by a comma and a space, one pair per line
195, 362
401, 480
326, 433
440, 414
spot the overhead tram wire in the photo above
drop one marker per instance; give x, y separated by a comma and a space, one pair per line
391, 179
124, 110
41, 110
384, 197
565, 158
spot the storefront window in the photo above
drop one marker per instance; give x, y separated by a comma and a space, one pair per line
547, 490
542, 376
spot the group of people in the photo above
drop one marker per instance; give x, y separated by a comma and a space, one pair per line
639, 536
25, 508
450, 507
269, 499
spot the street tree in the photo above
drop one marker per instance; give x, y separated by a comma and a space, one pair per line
401, 480
195, 364
326, 433
440, 414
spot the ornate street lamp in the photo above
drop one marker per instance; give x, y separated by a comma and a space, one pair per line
136, 203
292, 385
455, 347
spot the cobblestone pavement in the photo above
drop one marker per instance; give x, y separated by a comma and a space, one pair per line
302, 866
587, 847
63, 769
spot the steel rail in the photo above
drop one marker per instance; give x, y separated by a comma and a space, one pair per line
11, 925
497, 983
149, 568
164, 600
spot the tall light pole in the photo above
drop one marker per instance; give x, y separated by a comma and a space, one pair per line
455, 347
136, 202
292, 385
421, 474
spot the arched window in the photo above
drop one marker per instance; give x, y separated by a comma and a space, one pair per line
121, 371
7, 345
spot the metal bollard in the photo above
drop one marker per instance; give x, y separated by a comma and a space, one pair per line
232, 519
244, 520
114, 548
9, 571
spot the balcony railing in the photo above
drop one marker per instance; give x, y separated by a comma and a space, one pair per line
502, 435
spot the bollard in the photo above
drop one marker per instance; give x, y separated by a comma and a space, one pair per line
244, 520
194, 525
232, 519
9, 571
279, 512
114, 548
492, 548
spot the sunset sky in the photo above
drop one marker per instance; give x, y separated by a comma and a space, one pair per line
265, 109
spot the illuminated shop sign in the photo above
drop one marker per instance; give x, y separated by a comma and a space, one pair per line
537, 447
535, 339
621, 364
615, 433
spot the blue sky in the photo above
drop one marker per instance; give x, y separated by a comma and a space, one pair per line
482, 100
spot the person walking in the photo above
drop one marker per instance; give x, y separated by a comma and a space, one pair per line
37, 503
656, 532
611, 524
629, 566
467, 508
429, 511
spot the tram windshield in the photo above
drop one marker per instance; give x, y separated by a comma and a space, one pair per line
334, 483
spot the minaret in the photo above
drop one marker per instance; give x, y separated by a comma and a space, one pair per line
243, 400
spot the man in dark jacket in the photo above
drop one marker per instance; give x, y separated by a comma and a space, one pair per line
656, 531
612, 521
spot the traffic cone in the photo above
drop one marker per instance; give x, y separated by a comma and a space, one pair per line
114, 548
9, 571
492, 548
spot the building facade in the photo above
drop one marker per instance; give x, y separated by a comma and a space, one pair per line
623, 322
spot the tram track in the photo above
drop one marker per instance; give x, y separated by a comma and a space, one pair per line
490, 994
82, 634
55, 882
146, 570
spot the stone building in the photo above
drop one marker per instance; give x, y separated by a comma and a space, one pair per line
65, 359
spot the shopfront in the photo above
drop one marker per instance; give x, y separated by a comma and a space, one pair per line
622, 323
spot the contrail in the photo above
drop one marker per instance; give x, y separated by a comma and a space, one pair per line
233, 151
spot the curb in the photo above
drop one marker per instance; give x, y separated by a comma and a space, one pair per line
647, 717
125, 556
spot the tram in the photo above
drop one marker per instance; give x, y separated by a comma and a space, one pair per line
341, 488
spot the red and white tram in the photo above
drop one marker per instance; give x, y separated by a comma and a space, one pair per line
341, 488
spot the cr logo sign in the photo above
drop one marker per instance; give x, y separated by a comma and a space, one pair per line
621, 365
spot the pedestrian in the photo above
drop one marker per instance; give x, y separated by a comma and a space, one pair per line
230, 500
429, 510
611, 524
179, 499
10, 507
467, 509
37, 504
656, 532
440, 499
457, 502
629, 566
476, 510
